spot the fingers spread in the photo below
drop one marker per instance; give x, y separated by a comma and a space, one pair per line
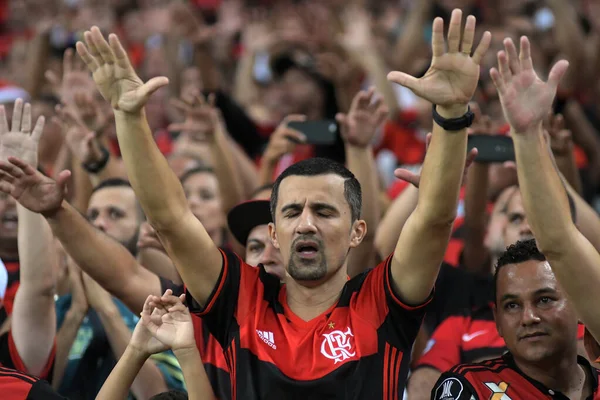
38, 129
26, 122
119, 52
513, 58
483, 47
505, 72
498, 81
556, 73
102, 45
437, 39
3, 122
468, 35
85, 55
525, 54
403, 79
17, 114
454, 31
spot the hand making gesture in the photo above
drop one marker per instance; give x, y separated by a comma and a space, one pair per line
111, 69
20, 141
453, 75
359, 126
525, 98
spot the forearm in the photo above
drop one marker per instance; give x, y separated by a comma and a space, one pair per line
587, 219
225, 171
362, 165
82, 187
421, 382
244, 89
122, 376
149, 381
266, 171
475, 254
567, 166
34, 317
393, 221
542, 190
103, 258
246, 169
196, 381
442, 173
208, 70
410, 40
37, 53
159, 263
373, 63
64, 341
155, 184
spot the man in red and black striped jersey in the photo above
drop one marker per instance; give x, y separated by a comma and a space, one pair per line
15, 385
319, 335
540, 329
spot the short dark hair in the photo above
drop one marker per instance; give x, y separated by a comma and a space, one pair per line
120, 182
112, 182
171, 395
520, 252
197, 170
322, 166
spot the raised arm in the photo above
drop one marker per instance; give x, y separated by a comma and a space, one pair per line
96, 253
34, 317
159, 191
449, 84
358, 128
526, 100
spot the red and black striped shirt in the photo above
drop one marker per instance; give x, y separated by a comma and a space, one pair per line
358, 349
500, 378
15, 385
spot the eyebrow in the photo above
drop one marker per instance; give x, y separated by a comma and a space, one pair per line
315, 206
253, 240
510, 296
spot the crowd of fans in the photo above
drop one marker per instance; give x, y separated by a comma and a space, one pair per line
246, 199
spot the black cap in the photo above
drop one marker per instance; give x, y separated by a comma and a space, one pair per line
246, 216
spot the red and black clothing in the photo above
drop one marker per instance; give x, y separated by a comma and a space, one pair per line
463, 339
209, 348
358, 349
10, 358
500, 378
15, 385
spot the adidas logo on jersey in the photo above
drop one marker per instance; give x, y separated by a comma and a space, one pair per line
268, 338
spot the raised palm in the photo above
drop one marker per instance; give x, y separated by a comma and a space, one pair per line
525, 98
113, 73
20, 141
359, 126
453, 74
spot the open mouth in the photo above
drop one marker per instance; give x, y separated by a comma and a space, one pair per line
307, 249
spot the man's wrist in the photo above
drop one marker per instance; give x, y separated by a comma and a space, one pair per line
186, 353
55, 213
453, 111
136, 353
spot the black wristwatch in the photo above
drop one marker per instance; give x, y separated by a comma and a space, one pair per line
454, 124
95, 167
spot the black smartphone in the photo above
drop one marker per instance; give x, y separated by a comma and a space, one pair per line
317, 132
492, 149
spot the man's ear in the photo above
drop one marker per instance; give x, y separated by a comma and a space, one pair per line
273, 235
359, 230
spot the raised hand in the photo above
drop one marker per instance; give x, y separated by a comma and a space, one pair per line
561, 139
284, 140
20, 141
415, 179
32, 189
74, 78
452, 78
201, 117
525, 98
359, 126
112, 71
168, 321
83, 142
